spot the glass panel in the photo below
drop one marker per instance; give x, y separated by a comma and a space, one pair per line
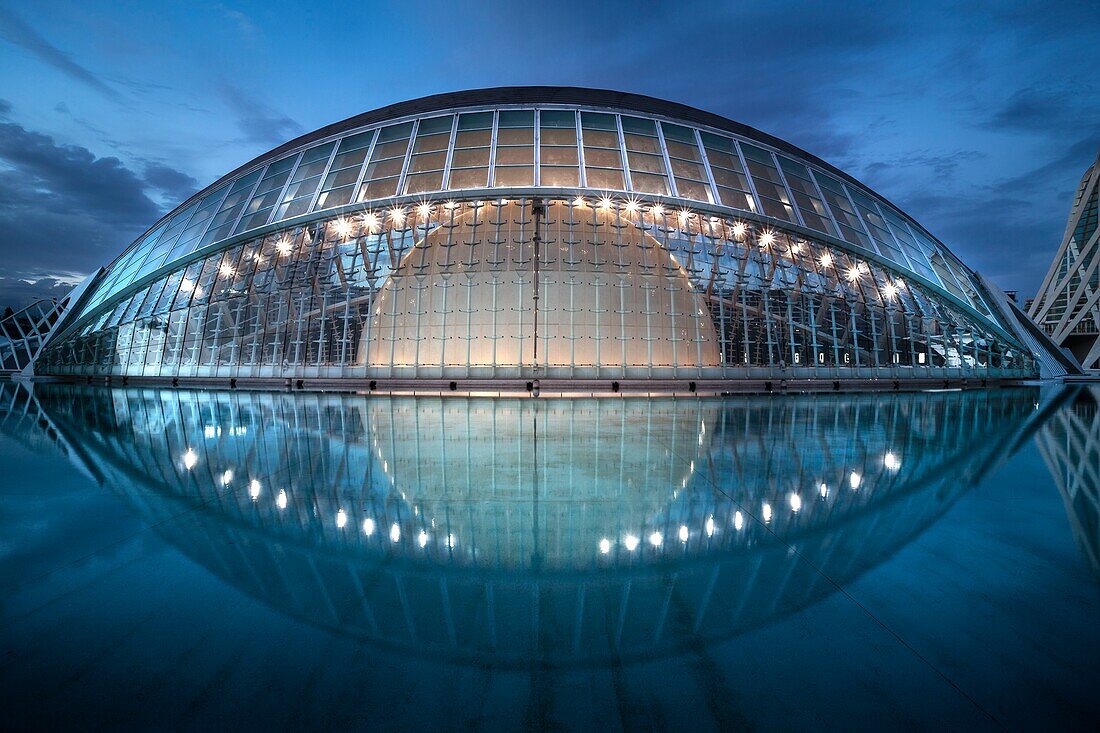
266, 195
729, 175
515, 157
558, 154
386, 161
470, 159
806, 196
876, 225
843, 213
433, 137
603, 162
344, 172
769, 184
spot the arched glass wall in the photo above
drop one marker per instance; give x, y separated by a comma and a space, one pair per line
628, 288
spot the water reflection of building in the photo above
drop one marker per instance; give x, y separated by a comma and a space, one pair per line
551, 532
1070, 444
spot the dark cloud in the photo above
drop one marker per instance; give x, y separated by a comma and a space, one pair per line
15, 31
176, 185
941, 166
16, 293
70, 177
1040, 109
258, 121
64, 212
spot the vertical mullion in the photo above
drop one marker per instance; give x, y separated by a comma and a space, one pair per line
536, 157
748, 179
408, 157
787, 188
668, 163
283, 190
622, 153
321, 182
493, 151
450, 154
366, 163
706, 166
583, 174
826, 204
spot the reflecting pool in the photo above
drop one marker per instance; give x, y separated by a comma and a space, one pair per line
176, 558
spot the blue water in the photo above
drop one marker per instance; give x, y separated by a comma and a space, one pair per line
173, 559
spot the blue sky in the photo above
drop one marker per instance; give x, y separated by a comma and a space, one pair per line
978, 121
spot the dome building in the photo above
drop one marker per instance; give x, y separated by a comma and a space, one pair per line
570, 235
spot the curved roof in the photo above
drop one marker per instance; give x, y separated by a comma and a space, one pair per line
536, 95
558, 141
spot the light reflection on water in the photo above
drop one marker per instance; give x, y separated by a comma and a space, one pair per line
532, 533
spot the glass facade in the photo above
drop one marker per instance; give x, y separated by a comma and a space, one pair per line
408, 248
437, 291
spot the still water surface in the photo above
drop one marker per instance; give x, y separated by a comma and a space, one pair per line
171, 559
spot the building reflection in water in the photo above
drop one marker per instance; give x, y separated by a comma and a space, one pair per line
536, 532
1070, 444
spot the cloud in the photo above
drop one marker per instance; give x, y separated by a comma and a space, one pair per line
64, 211
15, 31
176, 185
16, 293
260, 123
1039, 109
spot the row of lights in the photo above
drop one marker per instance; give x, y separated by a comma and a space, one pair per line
630, 541
190, 459
345, 228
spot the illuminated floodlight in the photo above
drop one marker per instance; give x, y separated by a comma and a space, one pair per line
280, 500
767, 239
422, 539
738, 520
368, 526
740, 229
853, 274
630, 542
767, 512
227, 476
823, 490
397, 216
709, 527
343, 227
451, 541
424, 211
254, 489
371, 222
283, 246
854, 480
226, 270
656, 210
190, 458
632, 206
684, 533
891, 461
341, 519
684, 215
655, 539
889, 291
605, 546
579, 202
605, 203
826, 260
395, 532
796, 502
